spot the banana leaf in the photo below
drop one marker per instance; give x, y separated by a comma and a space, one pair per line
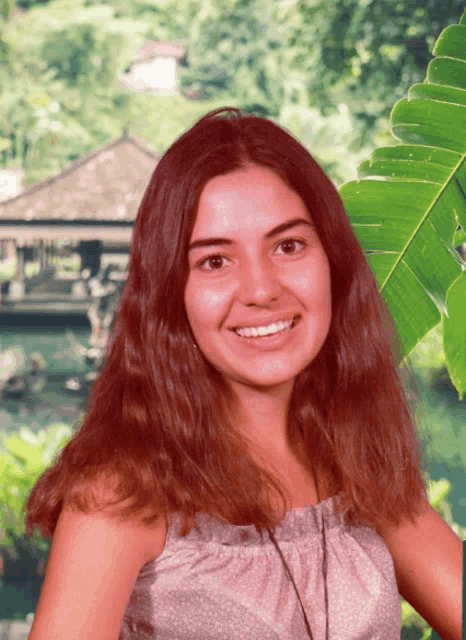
408, 207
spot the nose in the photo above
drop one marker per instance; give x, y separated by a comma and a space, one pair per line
259, 283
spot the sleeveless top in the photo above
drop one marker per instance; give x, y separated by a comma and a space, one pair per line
227, 582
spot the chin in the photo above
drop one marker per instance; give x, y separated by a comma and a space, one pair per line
264, 379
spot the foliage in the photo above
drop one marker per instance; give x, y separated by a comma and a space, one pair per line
23, 458
410, 202
60, 96
367, 54
320, 68
59, 84
237, 49
159, 120
428, 357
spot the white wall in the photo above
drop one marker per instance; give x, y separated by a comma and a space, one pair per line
157, 73
11, 183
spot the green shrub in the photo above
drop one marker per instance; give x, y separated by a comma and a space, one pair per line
24, 456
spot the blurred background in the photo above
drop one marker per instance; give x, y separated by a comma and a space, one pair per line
92, 92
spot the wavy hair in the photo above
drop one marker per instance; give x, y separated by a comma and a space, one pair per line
158, 429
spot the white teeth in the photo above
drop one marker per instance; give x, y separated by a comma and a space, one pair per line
264, 331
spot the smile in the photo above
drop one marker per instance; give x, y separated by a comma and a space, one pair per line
271, 329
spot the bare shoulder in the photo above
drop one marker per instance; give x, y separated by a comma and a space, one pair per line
93, 564
149, 539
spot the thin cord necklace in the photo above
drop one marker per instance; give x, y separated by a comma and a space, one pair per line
324, 566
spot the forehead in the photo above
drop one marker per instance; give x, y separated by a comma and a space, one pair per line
249, 199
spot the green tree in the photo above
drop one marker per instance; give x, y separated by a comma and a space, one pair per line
59, 90
239, 51
366, 53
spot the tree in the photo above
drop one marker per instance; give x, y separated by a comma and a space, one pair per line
366, 53
59, 91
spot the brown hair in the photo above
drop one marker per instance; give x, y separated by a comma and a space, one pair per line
158, 429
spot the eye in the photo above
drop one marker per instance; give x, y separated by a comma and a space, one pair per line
215, 262
289, 245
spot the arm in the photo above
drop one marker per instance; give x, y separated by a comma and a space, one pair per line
93, 564
428, 563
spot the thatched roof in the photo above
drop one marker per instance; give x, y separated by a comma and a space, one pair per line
101, 186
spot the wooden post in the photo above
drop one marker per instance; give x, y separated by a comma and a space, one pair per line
42, 256
17, 287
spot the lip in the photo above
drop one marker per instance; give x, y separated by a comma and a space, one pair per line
270, 343
258, 322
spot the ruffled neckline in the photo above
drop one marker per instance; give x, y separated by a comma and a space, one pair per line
298, 522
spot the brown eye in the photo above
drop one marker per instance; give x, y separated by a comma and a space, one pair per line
289, 245
214, 263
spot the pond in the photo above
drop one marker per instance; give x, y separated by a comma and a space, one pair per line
59, 340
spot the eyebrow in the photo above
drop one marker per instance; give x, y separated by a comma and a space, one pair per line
290, 224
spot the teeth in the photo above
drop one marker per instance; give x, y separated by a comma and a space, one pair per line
264, 331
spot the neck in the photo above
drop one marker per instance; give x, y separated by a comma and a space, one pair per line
263, 418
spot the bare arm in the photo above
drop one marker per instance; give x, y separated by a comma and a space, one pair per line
93, 564
428, 563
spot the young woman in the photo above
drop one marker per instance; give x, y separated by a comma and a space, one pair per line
248, 467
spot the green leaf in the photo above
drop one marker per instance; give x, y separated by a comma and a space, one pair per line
24, 453
408, 208
454, 343
438, 491
460, 238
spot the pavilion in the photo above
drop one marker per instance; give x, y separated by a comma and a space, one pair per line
92, 203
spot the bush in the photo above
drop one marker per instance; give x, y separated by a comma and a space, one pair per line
23, 458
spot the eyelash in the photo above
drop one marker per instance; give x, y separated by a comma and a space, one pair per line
217, 255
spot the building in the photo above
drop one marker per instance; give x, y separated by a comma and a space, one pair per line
91, 204
154, 68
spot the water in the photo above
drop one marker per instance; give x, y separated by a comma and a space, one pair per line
59, 340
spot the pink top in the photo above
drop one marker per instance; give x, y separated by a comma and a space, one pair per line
225, 582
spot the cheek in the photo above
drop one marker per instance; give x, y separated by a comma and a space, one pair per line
313, 283
205, 305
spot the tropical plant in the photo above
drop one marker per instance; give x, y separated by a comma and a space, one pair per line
408, 208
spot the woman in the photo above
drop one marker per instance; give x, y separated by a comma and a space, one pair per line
248, 466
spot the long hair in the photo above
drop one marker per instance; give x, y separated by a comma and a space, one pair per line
158, 430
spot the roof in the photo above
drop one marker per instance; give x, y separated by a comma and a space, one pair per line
152, 49
103, 185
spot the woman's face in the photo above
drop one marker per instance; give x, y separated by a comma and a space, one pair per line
256, 266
